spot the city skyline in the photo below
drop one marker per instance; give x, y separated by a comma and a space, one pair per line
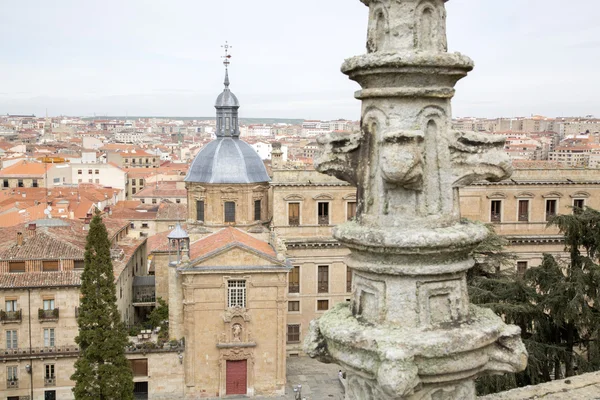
80, 59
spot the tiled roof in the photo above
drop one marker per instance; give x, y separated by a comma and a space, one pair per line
25, 169
40, 279
229, 236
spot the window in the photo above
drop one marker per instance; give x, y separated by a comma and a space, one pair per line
323, 212
229, 211
79, 172
79, 180
48, 304
323, 278
5, 183
521, 267
79, 264
97, 180
20, 183
49, 371
257, 210
16, 266
96, 171
293, 306
294, 280
550, 209
496, 211
12, 373
133, 182
11, 339
322, 305
293, 333
200, 210
351, 210
10, 305
89, 171
294, 214
50, 265
348, 280
48, 337
523, 210
34, 183
90, 180
143, 201
578, 205
178, 201
236, 296
153, 201
139, 367
56, 180
144, 225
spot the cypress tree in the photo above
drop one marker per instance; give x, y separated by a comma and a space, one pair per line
102, 371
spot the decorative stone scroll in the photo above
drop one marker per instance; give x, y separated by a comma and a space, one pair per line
409, 331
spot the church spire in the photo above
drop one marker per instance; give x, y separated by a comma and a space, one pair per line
227, 104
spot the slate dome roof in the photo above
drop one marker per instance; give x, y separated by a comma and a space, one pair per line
227, 99
227, 160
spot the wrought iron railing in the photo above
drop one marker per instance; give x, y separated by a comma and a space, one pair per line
12, 383
10, 316
48, 314
323, 219
294, 221
50, 381
294, 288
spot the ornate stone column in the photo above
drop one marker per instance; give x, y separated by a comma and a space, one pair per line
410, 332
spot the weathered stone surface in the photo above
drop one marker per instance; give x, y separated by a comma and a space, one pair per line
409, 331
582, 387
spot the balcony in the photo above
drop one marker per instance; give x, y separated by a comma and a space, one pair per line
323, 219
294, 288
48, 315
7, 317
50, 381
294, 221
12, 383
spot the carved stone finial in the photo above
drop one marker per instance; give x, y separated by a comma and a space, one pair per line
410, 332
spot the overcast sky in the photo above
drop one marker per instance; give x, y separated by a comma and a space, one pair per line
162, 58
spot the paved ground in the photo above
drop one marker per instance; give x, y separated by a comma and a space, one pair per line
319, 381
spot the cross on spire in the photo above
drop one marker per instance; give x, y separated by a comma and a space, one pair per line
227, 56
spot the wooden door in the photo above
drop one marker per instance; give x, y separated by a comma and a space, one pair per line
236, 377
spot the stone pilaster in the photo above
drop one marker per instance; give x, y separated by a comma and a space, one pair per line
410, 332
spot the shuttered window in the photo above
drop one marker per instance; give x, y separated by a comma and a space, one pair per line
200, 210
323, 272
294, 213
293, 333
351, 210
50, 265
523, 210
229, 211
294, 280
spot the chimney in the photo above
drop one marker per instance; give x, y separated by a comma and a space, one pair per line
31, 229
19, 238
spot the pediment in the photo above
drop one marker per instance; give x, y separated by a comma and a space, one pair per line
293, 197
350, 196
496, 195
323, 196
580, 195
524, 195
229, 189
552, 195
234, 255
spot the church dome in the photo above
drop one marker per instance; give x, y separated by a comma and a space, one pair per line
227, 160
227, 99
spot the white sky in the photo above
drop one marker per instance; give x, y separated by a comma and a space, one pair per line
162, 58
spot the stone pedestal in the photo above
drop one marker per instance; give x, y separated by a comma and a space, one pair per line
410, 332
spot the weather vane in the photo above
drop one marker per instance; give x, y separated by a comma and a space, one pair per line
227, 56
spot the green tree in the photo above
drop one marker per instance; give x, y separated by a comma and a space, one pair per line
102, 371
556, 304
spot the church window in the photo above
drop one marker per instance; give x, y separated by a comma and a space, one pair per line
293, 333
294, 280
523, 210
496, 211
294, 214
323, 279
351, 210
230, 211
236, 296
322, 305
323, 209
200, 210
257, 210
293, 306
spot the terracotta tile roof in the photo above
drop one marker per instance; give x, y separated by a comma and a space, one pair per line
25, 169
171, 211
129, 247
22, 216
40, 279
229, 236
47, 244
